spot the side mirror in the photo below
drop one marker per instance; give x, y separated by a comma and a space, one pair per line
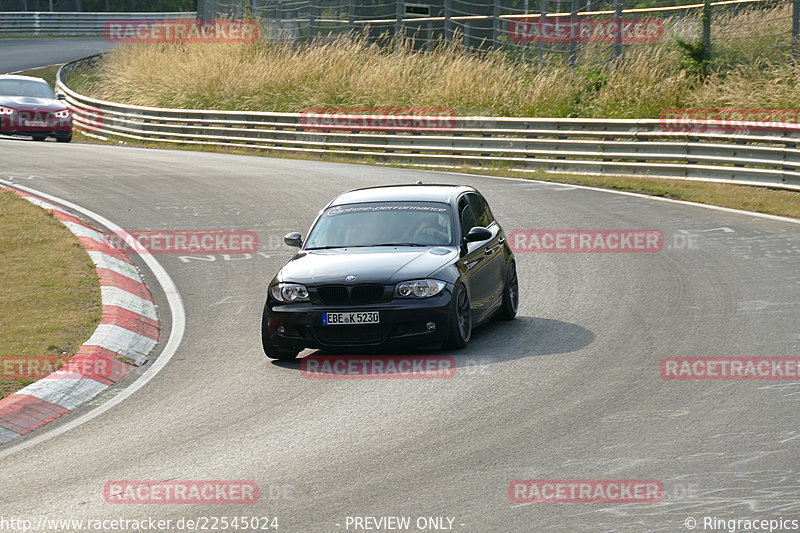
60, 96
477, 234
293, 239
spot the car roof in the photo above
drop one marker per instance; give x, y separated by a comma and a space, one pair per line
22, 78
394, 193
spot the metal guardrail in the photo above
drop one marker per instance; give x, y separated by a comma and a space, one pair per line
638, 147
36, 23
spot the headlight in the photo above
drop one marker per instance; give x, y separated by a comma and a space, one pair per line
289, 292
419, 288
62, 114
6, 111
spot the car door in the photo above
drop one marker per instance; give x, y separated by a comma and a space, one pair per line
494, 267
477, 278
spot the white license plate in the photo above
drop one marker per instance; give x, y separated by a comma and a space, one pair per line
348, 319
36, 123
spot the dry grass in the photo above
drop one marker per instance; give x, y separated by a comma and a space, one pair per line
49, 291
344, 72
750, 57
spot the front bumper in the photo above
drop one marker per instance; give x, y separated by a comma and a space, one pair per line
44, 132
11, 125
402, 322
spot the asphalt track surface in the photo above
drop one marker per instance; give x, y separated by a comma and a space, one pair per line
19, 54
569, 390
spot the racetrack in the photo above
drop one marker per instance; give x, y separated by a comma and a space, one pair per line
19, 54
570, 390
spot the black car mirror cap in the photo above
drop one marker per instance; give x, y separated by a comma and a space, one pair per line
477, 234
60, 96
293, 239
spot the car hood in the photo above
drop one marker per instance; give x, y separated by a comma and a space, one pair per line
368, 265
31, 103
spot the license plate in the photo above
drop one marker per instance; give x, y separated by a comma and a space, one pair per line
36, 123
348, 319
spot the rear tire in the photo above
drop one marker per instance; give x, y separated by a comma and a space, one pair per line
510, 294
460, 319
270, 349
64, 139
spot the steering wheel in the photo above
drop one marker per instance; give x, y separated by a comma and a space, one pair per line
430, 235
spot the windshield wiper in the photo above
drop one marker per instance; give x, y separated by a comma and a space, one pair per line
370, 245
401, 244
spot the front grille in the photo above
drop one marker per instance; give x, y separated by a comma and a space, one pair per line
357, 294
333, 294
366, 294
366, 334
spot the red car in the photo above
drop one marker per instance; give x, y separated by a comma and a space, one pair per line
29, 107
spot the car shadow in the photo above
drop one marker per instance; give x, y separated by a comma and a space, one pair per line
494, 342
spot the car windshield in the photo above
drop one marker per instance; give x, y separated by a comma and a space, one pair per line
383, 224
25, 88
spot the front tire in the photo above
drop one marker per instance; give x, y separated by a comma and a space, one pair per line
510, 294
460, 319
272, 351
64, 139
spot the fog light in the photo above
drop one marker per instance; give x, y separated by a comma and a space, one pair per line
281, 330
430, 326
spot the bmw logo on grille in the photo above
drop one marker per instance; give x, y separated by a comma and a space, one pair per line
350, 278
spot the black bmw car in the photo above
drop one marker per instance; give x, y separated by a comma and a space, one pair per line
407, 264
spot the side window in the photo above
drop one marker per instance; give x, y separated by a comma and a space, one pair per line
465, 215
481, 210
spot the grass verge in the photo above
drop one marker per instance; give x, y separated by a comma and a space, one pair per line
751, 67
49, 290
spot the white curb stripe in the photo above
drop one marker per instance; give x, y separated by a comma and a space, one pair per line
43, 204
126, 300
123, 341
83, 231
67, 393
106, 261
6, 435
